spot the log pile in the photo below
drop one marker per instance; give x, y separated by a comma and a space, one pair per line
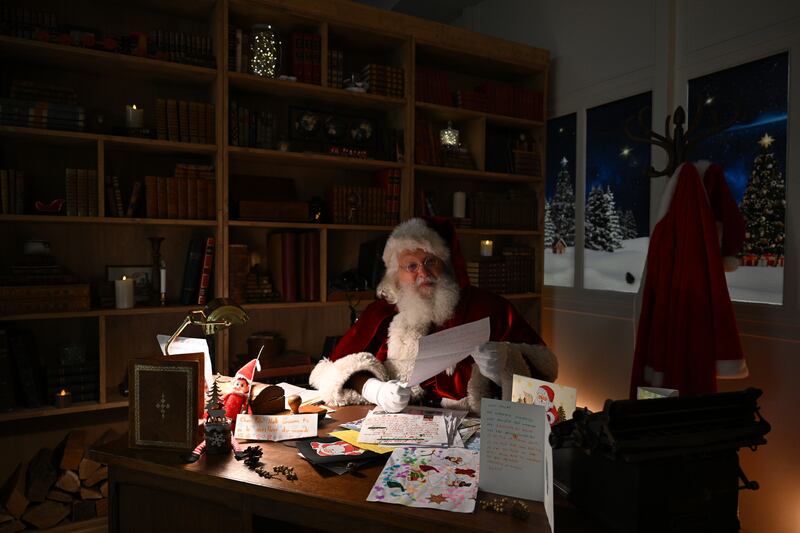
57, 488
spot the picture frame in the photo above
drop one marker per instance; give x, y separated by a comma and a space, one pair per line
142, 276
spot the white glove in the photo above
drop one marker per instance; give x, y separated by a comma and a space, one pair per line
491, 360
388, 395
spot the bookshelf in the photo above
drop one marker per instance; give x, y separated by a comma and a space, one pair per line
87, 244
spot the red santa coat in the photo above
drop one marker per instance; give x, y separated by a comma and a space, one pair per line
381, 343
687, 333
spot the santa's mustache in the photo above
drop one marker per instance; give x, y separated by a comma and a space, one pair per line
426, 279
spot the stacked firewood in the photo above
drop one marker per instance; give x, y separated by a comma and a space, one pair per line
59, 487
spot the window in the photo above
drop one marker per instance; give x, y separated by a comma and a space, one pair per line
616, 220
752, 151
559, 213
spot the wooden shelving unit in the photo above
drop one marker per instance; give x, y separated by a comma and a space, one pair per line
88, 244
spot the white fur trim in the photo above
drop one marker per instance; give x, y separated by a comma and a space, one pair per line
329, 377
478, 387
730, 263
732, 369
414, 234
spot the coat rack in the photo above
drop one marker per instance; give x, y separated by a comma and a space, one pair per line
679, 143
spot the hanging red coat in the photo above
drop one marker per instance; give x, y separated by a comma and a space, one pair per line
687, 335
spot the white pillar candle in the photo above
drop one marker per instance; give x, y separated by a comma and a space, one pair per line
134, 117
163, 279
124, 292
486, 248
459, 204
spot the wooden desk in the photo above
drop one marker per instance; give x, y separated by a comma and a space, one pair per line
156, 491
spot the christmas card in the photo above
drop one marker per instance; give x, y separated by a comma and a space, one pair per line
649, 393
559, 401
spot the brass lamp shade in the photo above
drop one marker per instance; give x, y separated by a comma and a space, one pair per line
218, 314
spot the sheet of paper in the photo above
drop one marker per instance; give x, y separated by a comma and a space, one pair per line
275, 427
400, 429
183, 345
513, 449
306, 395
444, 349
559, 401
440, 478
649, 393
548, 479
351, 437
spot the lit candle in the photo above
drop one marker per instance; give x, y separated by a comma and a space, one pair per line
163, 284
459, 204
134, 117
124, 292
63, 398
486, 248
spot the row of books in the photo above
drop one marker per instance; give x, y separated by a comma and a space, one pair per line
353, 204
176, 46
432, 85
305, 57
81, 192
197, 271
506, 210
183, 121
389, 179
512, 272
12, 191
336, 69
384, 80
510, 100
41, 114
293, 262
182, 197
46, 92
250, 127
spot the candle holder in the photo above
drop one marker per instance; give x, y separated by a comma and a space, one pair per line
134, 120
63, 398
155, 279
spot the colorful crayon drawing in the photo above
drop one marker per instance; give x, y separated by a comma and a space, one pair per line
439, 478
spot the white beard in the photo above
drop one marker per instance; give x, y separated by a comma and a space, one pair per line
437, 308
416, 314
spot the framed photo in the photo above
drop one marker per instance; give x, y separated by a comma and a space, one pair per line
142, 279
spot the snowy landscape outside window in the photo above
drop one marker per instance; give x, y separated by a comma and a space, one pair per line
559, 209
752, 151
617, 209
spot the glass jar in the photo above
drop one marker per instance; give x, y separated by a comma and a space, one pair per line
265, 51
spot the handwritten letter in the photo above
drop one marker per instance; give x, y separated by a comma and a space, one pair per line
275, 427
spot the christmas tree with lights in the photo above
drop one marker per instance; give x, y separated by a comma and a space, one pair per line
549, 227
764, 205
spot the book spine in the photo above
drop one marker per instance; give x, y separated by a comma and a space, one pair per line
211, 185
172, 197
191, 198
161, 119
191, 272
205, 275
183, 197
118, 209
173, 133
136, 192
81, 193
162, 196
289, 266
312, 266
92, 192
183, 121
151, 196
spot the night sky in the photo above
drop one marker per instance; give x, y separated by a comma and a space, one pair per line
560, 145
758, 92
613, 159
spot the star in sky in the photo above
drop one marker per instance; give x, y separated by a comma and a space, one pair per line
625, 152
564, 161
437, 498
766, 141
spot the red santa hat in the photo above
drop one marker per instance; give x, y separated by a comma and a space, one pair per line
248, 371
434, 235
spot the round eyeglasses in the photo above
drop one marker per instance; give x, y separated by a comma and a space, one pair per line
429, 263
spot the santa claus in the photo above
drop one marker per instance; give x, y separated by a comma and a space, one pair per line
426, 289
544, 397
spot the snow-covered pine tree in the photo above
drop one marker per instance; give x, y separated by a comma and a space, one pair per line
628, 224
549, 227
562, 207
764, 205
613, 226
595, 220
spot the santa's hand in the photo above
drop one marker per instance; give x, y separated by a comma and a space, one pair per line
491, 360
388, 395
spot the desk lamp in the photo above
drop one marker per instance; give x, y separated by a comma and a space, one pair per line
218, 314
